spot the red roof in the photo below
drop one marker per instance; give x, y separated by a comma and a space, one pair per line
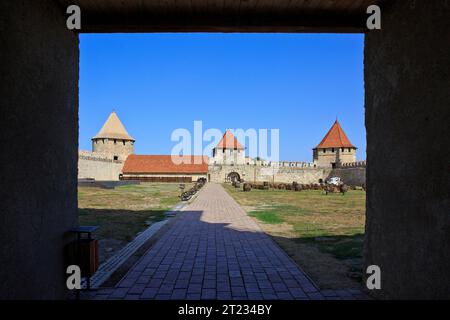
229, 141
165, 164
335, 138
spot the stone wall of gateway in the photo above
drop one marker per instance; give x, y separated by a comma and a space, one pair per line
272, 174
39, 104
349, 175
98, 166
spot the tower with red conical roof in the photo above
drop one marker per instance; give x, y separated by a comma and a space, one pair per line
334, 149
228, 151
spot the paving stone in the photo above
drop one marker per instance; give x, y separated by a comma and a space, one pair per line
181, 284
166, 289
195, 288
137, 289
297, 293
119, 293
178, 294
329, 293
209, 284
279, 287
143, 280
214, 250
196, 279
155, 283
149, 293
255, 296
208, 294
269, 296
237, 282
284, 296
224, 295
316, 296
238, 291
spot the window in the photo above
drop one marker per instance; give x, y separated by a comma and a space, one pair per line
349, 150
342, 149
332, 149
324, 150
115, 141
116, 158
123, 142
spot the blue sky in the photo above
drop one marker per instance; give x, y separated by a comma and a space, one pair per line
297, 83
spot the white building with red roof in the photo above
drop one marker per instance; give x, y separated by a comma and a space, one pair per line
164, 168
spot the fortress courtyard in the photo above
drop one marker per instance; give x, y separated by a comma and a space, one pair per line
226, 243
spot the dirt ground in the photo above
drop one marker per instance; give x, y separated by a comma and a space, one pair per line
123, 212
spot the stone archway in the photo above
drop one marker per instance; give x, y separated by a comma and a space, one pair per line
233, 177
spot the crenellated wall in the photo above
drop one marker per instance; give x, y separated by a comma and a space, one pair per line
115, 147
288, 174
272, 174
98, 166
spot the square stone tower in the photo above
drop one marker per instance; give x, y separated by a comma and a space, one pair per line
228, 151
334, 149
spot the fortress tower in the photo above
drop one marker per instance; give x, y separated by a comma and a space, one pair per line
228, 151
334, 149
113, 139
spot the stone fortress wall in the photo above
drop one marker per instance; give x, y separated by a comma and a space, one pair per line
102, 167
112, 145
117, 147
288, 172
98, 166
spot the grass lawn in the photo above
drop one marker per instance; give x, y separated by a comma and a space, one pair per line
123, 212
323, 233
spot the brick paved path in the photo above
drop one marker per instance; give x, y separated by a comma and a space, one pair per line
215, 251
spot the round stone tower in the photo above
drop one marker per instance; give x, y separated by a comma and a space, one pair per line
113, 139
